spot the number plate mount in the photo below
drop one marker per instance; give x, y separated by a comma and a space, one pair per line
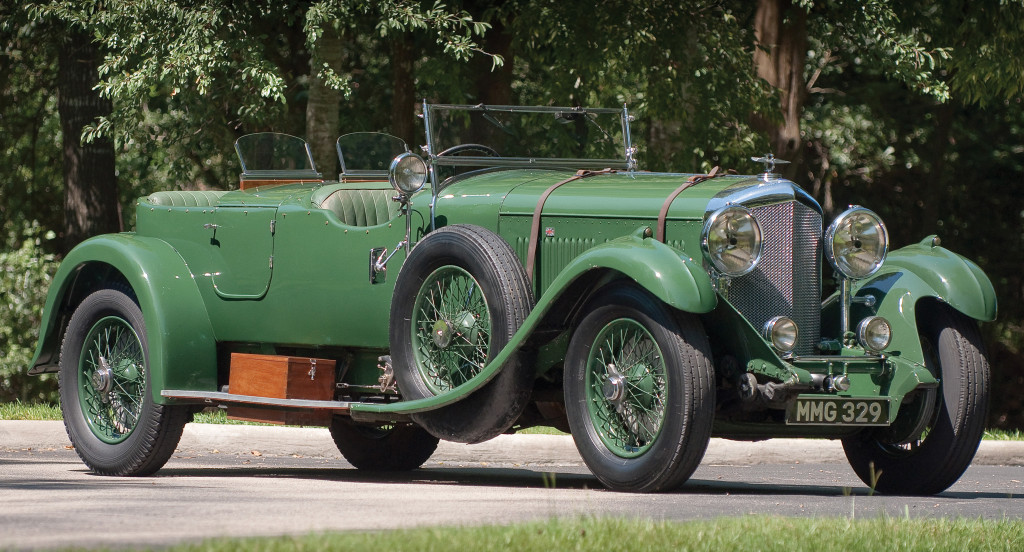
841, 411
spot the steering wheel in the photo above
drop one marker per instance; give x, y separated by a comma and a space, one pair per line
454, 150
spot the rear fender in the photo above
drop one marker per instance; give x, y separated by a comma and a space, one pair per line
182, 348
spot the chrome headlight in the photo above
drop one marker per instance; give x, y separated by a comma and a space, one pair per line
732, 240
856, 243
408, 173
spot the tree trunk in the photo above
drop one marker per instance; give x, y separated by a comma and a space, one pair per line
403, 101
781, 31
90, 183
493, 87
324, 104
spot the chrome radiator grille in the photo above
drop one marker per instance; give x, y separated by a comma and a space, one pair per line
787, 281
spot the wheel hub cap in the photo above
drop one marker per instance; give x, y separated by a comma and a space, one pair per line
103, 380
614, 387
442, 333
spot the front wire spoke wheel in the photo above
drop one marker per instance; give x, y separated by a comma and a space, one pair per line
627, 383
639, 390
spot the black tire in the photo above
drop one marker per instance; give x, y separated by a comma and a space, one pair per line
450, 263
639, 391
391, 447
932, 463
106, 391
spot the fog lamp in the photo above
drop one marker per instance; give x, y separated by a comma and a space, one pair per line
782, 333
874, 333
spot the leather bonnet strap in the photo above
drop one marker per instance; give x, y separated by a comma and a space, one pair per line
695, 179
532, 245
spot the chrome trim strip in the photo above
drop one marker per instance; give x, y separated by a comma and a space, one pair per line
754, 192
430, 165
532, 162
524, 108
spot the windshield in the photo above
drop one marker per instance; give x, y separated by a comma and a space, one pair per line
491, 136
273, 151
368, 153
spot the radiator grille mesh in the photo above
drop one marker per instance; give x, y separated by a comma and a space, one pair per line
787, 281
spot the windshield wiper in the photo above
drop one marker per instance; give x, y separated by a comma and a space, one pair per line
573, 116
494, 121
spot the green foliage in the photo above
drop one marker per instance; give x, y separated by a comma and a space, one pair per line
238, 65
30, 144
874, 31
25, 275
913, 108
987, 38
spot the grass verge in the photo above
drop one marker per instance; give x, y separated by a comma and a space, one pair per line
725, 534
1004, 435
21, 411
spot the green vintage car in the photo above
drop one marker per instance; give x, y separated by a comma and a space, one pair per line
522, 272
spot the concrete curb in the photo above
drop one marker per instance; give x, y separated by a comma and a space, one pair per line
505, 449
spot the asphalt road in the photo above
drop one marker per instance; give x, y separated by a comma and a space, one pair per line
270, 481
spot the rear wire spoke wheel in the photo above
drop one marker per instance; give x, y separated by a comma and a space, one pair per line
106, 389
949, 422
459, 298
112, 379
382, 447
639, 391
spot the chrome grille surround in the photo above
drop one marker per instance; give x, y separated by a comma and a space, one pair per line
787, 281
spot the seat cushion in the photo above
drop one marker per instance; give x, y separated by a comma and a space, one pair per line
362, 207
175, 198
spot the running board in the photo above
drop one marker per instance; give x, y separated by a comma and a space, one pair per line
213, 397
336, 407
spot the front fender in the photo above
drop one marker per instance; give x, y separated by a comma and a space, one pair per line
924, 271
950, 277
676, 280
182, 347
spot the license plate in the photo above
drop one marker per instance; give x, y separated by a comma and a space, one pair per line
816, 410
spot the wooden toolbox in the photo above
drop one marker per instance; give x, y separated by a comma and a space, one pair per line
281, 377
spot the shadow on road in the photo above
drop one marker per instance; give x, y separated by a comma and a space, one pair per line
536, 478
730, 480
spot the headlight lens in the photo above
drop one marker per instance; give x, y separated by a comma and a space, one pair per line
408, 173
782, 332
874, 333
732, 240
856, 243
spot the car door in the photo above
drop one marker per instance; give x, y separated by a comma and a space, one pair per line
243, 245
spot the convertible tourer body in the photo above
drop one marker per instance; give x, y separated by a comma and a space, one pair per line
515, 279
